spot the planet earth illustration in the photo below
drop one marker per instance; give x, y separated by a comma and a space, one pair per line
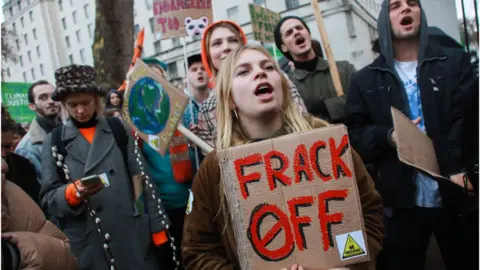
149, 106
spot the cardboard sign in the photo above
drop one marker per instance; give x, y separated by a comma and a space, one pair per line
414, 147
153, 107
294, 200
263, 22
178, 18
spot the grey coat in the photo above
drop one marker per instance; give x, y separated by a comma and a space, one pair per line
131, 241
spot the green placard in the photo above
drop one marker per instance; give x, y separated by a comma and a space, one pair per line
263, 22
14, 96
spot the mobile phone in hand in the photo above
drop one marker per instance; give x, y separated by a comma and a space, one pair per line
91, 180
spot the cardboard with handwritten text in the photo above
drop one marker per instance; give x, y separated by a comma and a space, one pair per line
294, 200
414, 147
263, 22
152, 106
179, 18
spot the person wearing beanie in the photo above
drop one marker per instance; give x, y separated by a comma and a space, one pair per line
218, 41
157, 65
311, 74
115, 219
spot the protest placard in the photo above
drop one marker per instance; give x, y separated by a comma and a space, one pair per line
414, 147
15, 97
178, 18
263, 22
153, 107
294, 200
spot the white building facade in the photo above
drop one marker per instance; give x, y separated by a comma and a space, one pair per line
55, 33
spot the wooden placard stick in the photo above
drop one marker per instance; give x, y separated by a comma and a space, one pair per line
328, 49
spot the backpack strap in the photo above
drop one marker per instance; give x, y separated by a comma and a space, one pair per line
120, 136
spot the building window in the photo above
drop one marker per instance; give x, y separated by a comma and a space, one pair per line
71, 2
74, 16
176, 42
35, 33
90, 30
60, 5
149, 4
64, 23
10, 10
19, 4
152, 26
29, 56
17, 42
33, 73
22, 22
67, 40
85, 9
26, 39
38, 51
82, 56
8, 72
21, 60
70, 57
259, 2
41, 70
30, 14
77, 33
172, 69
232, 13
158, 46
14, 27
24, 76
292, 4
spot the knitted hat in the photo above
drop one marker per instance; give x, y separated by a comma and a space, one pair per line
278, 36
75, 79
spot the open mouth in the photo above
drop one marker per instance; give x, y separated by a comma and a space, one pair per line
407, 21
300, 41
263, 89
200, 79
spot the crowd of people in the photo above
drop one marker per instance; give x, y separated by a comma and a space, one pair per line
54, 217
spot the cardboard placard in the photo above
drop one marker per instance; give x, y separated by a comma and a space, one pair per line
179, 18
414, 147
263, 22
153, 107
294, 200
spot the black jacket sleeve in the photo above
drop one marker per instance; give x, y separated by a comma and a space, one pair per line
368, 139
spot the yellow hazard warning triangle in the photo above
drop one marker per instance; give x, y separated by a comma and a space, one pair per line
154, 143
352, 248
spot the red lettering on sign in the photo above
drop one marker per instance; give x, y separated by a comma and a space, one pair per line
299, 222
277, 174
173, 5
162, 22
326, 219
314, 149
338, 165
157, 8
301, 165
187, 4
243, 180
260, 244
181, 4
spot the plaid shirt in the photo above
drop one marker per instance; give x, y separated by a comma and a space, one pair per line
207, 117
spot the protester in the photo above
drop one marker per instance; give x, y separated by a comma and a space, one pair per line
18, 133
219, 40
105, 220
157, 66
28, 240
311, 74
46, 119
21, 171
424, 81
114, 100
209, 241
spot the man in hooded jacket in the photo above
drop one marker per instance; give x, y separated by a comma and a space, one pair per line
425, 82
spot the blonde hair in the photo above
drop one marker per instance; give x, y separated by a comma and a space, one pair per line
229, 132
230, 27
